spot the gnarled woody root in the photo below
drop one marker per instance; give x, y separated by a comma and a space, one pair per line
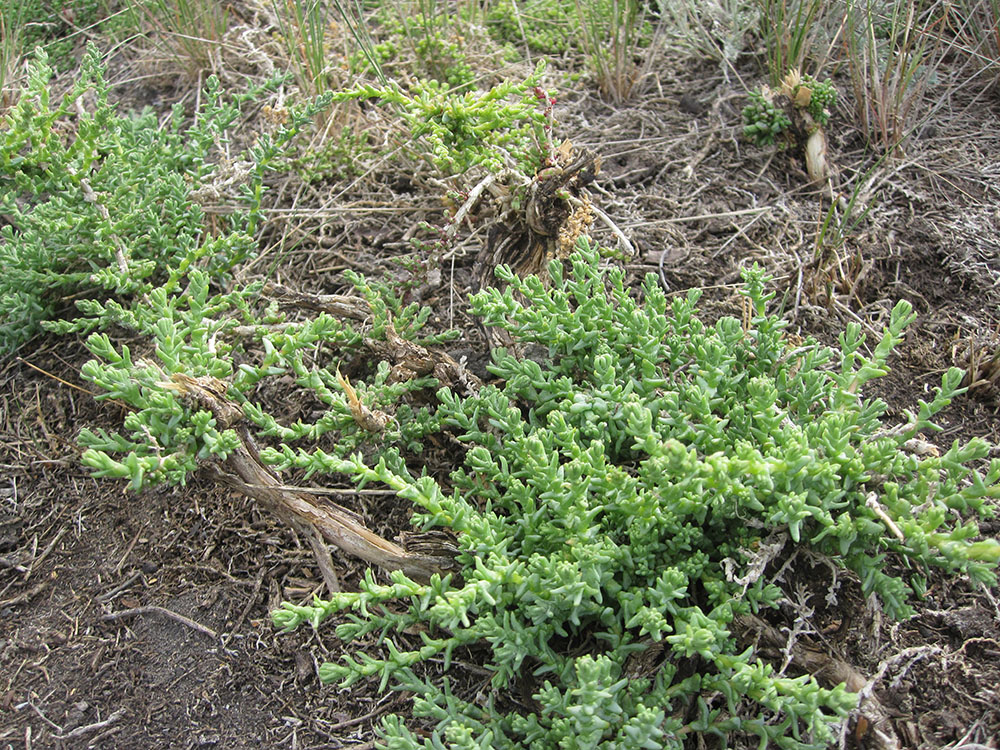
244, 471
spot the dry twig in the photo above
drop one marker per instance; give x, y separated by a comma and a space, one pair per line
244, 471
112, 616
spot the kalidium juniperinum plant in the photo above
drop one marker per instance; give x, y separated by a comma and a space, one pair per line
224, 335
619, 490
763, 120
503, 128
108, 216
420, 39
100, 204
797, 113
547, 26
54, 25
553, 27
105, 211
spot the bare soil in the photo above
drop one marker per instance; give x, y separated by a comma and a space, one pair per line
142, 621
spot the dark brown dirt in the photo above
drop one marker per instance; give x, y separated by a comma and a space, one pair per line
142, 621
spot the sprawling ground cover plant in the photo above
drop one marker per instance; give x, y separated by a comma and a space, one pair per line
626, 491
546, 26
505, 127
420, 38
106, 210
100, 204
196, 335
619, 37
102, 210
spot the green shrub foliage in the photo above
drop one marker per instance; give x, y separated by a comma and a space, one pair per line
429, 44
554, 27
624, 491
194, 333
546, 26
101, 210
99, 204
54, 25
502, 128
763, 120
618, 492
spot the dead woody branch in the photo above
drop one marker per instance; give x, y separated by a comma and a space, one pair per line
244, 471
